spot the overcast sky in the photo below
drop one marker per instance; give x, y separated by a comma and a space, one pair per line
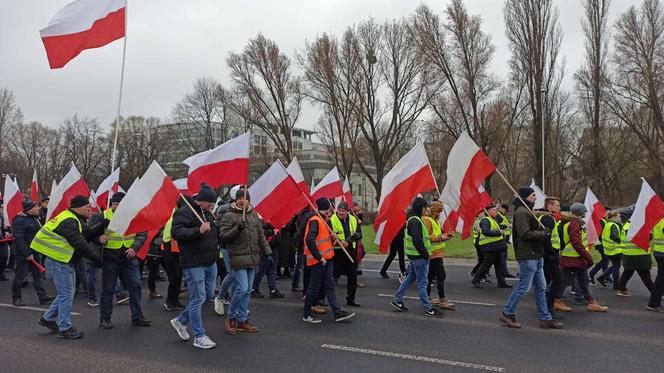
172, 42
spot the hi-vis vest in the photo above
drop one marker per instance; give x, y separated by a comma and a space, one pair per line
504, 221
409, 247
436, 247
115, 240
166, 236
628, 247
338, 228
323, 241
476, 230
485, 240
658, 237
555, 234
51, 244
611, 247
568, 250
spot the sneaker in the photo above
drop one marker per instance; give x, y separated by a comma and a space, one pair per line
384, 275
169, 307
276, 294
296, 289
623, 293
602, 281
51, 325
181, 329
70, 333
657, 309
592, 281
343, 315
204, 342
141, 321
218, 306
18, 302
550, 324
477, 284
257, 294
399, 306
509, 321
435, 313
93, 303
105, 324
123, 299
485, 280
471, 274
311, 320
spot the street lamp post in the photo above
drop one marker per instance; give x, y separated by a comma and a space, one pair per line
543, 92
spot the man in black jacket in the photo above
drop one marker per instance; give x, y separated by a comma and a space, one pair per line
25, 226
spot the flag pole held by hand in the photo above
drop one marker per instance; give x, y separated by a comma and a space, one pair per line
192, 208
520, 199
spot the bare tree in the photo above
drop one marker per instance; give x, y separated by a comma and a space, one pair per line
83, 143
10, 115
29, 146
265, 92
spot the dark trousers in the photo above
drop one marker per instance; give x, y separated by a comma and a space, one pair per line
321, 276
437, 271
602, 264
390, 257
554, 278
23, 266
578, 276
480, 258
171, 264
491, 258
343, 267
4, 257
658, 288
299, 266
614, 270
628, 273
152, 262
265, 268
127, 271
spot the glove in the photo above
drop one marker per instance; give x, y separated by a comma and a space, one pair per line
242, 225
105, 223
355, 237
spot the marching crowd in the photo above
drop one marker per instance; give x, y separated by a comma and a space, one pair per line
206, 240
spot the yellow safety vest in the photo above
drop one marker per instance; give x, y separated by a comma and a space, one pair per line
409, 247
338, 228
611, 247
115, 240
568, 250
555, 235
658, 237
476, 230
51, 244
628, 247
437, 232
504, 221
485, 240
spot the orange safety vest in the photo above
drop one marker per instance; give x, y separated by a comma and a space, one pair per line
323, 242
174, 246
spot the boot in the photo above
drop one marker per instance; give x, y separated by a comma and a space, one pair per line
231, 326
593, 306
509, 321
246, 327
446, 304
550, 324
560, 305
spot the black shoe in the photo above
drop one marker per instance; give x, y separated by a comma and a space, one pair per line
323, 303
434, 312
169, 307
141, 321
51, 325
25, 283
592, 281
399, 306
343, 315
276, 294
353, 303
46, 300
601, 281
257, 294
550, 324
70, 333
296, 289
509, 275
505, 286
477, 285
18, 302
384, 275
556, 315
485, 281
105, 324
179, 306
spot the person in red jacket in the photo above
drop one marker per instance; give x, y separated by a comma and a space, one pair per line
575, 258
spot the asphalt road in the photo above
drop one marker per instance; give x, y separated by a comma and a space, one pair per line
626, 339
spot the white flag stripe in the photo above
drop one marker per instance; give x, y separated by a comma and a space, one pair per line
79, 16
539, 203
409, 164
233, 149
181, 184
108, 182
638, 218
461, 154
331, 177
295, 171
56, 197
265, 184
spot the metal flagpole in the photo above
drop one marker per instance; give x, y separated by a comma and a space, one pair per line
117, 118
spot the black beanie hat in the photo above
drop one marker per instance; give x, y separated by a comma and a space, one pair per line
419, 204
206, 194
525, 191
117, 197
27, 205
78, 201
343, 205
323, 204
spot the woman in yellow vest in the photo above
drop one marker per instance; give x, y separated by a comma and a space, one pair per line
655, 302
436, 265
635, 259
612, 248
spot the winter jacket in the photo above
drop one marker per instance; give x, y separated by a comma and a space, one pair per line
196, 249
68, 229
414, 228
498, 246
527, 235
300, 227
245, 246
575, 227
25, 228
119, 255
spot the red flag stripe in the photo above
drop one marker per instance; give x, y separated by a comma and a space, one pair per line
234, 171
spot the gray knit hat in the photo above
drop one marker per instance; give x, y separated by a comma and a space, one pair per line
578, 209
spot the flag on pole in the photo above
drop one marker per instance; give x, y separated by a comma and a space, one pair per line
449, 220
54, 186
467, 168
596, 212
71, 185
107, 187
34, 187
329, 187
539, 202
80, 25
182, 186
296, 172
348, 194
228, 163
648, 211
93, 201
13, 200
410, 176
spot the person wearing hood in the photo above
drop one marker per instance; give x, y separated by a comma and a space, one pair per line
528, 238
492, 243
575, 258
25, 226
612, 249
417, 246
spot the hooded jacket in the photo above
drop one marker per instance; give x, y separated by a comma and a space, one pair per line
574, 229
528, 235
245, 246
24, 227
414, 228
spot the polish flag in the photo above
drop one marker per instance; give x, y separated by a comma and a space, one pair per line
449, 220
228, 163
539, 202
182, 186
13, 200
34, 187
69, 187
467, 168
329, 187
93, 201
148, 205
648, 211
296, 172
80, 25
143, 250
276, 196
107, 187
596, 212
410, 176
348, 194
54, 186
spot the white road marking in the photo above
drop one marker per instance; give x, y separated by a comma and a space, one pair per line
33, 308
378, 271
414, 357
451, 300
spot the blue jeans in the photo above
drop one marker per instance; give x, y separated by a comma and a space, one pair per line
64, 279
128, 273
91, 282
418, 271
230, 276
200, 282
265, 268
530, 272
239, 307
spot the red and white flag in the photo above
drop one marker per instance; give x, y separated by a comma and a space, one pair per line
107, 187
296, 172
648, 211
348, 194
93, 201
34, 188
329, 187
539, 202
80, 25
449, 220
54, 186
182, 186
276, 196
13, 200
467, 168
148, 204
596, 212
409, 177
69, 187
228, 163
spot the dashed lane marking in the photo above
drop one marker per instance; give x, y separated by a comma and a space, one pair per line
378, 271
451, 300
32, 308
